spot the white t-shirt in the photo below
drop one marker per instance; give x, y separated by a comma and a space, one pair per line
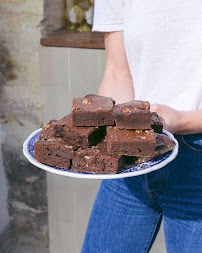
163, 43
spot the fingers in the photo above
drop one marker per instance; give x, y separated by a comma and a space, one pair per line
159, 108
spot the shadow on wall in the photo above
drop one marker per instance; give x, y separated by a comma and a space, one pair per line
7, 66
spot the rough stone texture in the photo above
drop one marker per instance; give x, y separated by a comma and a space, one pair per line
27, 199
20, 35
20, 114
4, 217
7, 65
54, 16
27, 249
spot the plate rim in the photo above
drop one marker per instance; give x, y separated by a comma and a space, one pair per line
98, 176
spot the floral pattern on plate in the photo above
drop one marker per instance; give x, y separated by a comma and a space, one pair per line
143, 168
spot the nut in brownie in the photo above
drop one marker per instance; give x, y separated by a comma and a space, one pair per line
97, 160
133, 115
93, 110
130, 142
53, 153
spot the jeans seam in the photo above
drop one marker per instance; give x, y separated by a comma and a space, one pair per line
149, 189
153, 233
153, 194
190, 148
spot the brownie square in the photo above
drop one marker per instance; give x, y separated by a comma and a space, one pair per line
78, 136
133, 115
130, 142
164, 144
93, 110
48, 131
97, 160
156, 123
53, 153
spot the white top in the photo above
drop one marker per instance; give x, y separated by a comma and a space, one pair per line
163, 43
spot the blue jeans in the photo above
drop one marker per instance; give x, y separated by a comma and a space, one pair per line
127, 213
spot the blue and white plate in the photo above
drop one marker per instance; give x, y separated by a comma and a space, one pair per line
155, 164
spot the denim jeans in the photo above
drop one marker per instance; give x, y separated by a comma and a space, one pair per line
127, 213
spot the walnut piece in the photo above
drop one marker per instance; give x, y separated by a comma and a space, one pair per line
139, 131
46, 127
69, 147
126, 110
86, 101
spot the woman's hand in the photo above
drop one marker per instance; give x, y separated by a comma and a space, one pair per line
171, 118
179, 122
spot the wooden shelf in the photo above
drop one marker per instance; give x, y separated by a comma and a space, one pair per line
67, 38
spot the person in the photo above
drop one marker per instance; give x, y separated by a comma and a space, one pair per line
153, 53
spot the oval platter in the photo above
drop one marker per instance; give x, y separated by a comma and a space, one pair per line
143, 168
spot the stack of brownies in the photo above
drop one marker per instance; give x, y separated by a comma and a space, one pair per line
101, 137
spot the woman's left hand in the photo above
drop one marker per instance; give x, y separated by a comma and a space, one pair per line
179, 122
171, 118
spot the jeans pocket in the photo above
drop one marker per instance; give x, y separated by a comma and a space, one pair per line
193, 142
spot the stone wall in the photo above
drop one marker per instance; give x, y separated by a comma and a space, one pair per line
23, 186
4, 217
54, 16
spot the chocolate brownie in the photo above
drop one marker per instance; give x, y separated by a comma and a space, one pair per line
133, 115
48, 131
156, 123
78, 136
97, 160
93, 110
130, 142
53, 153
164, 144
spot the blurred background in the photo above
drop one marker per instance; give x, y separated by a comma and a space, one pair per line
48, 56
